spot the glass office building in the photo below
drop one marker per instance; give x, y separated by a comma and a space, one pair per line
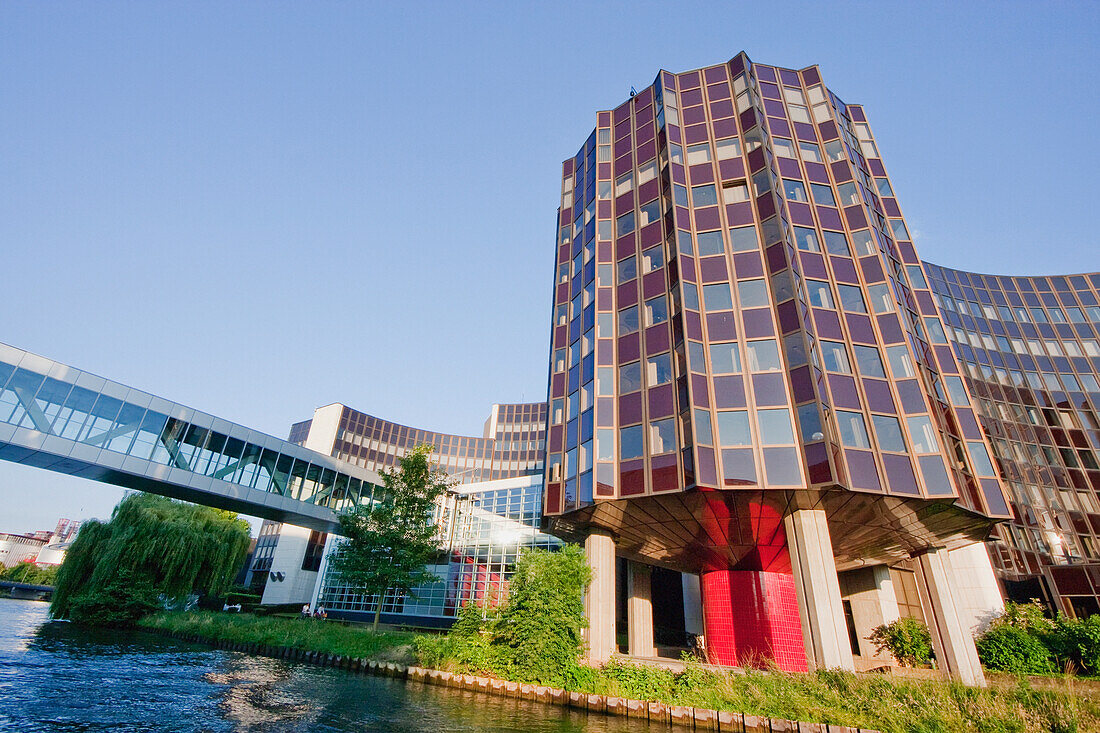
748, 365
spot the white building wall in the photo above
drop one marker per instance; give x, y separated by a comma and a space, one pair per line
297, 585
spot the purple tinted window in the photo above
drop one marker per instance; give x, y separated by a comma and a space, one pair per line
862, 473
738, 467
843, 389
729, 392
935, 476
878, 396
912, 399
758, 322
899, 475
706, 472
781, 467
768, 391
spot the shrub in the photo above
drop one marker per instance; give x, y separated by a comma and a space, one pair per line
120, 602
537, 634
1077, 642
907, 639
1013, 649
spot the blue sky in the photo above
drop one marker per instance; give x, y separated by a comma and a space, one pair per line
258, 208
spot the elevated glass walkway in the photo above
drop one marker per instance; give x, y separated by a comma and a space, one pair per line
62, 419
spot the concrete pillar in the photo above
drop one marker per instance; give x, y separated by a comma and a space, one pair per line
599, 601
822, 612
870, 591
951, 639
976, 590
639, 611
693, 603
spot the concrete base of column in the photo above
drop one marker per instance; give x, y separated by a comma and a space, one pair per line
639, 611
951, 638
822, 611
599, 601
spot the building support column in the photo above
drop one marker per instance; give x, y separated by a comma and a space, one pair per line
951, 638
822, 611
976, 590
693, 603
599, 601
639, 611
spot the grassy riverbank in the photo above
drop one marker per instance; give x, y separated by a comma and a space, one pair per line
326, 637
879, 702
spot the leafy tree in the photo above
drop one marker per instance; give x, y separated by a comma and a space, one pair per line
1014, 649
152, 546
388, 543
907, 639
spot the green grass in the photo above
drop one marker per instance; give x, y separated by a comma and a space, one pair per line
881, 702
327, 637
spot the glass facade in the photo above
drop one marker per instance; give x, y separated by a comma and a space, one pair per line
512, 445
1029, 349
483, 531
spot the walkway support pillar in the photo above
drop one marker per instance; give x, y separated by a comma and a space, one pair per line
639, 611
599, 601
951, 636
822, 611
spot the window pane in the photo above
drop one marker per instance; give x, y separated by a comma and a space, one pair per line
811, 152
733, 193
851, 298
775, 427
752, 293
888, 432
630, 442
704, 435
628, 320
869, 361
794, 190
698, 154
823, 195
710, 243
658, 370
743, 239
625, 223
809, 421
656, 311
806, 239
662, 436
725, 358
853, 431
980, 456
836, 243
733, 429
717, 297
628, 269
819, 293
881, 300
630, 377
763, 356
728, 148
901, 365
835, 357
704, 195
653, 258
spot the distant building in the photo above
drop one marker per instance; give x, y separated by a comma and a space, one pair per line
42, 547
17, 548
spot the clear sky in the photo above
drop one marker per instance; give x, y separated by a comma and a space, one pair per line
259, 208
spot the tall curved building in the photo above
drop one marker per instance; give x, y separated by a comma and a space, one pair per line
750, 380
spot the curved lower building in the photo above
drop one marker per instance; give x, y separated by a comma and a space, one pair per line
749, 379
1029, 349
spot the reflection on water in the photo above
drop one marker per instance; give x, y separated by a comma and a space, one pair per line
57, 677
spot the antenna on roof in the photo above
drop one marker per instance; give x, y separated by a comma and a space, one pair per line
633, 91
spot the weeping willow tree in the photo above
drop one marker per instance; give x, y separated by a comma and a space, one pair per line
152, 546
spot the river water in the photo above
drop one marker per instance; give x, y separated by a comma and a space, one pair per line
57, 677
